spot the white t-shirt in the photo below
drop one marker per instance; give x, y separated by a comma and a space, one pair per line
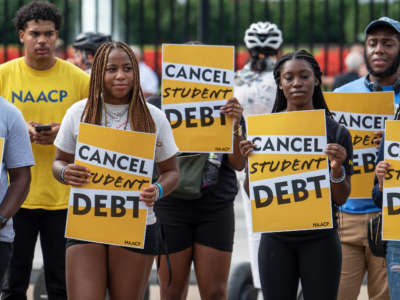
117, 118
148, 79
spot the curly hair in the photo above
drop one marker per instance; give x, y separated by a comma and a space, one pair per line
318, 100
37, 10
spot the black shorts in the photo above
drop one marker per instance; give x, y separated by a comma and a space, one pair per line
186, 222
151, 243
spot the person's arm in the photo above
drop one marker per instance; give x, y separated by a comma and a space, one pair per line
167, 181
234, 110
340, 191
18, 159
337, 155
20, 180
66, 172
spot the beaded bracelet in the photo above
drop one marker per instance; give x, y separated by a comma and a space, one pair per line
62, 179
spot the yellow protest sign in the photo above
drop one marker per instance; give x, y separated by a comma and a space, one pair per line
107, 209
1, 151
391, 185
362, 114
196, 82
288, 172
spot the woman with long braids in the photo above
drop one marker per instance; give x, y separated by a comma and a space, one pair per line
115, 100
313, 256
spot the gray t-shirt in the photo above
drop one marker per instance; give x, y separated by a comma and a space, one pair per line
17, 152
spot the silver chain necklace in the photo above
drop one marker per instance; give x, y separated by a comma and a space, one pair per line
117, 116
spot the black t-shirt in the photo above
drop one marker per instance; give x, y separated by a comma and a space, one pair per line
226, 187
334, 135
344, 78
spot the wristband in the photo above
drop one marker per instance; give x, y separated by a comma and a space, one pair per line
338, 179
62, 179
160, 189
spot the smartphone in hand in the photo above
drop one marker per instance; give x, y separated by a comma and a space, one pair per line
40, 128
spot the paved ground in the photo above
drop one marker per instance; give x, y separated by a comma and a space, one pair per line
240, 254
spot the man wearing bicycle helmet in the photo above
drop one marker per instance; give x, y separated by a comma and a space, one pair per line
255, 87
85, 46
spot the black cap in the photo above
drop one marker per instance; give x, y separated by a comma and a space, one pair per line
90, 41
383, 21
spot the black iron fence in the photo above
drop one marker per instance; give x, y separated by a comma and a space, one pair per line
325, 27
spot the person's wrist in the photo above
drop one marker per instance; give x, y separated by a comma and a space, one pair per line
160, 190
380, 185
237, 131
62, 174
337, 172
338, 178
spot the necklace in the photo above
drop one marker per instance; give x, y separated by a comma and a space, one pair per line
116, 115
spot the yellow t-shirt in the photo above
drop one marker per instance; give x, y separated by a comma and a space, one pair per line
43, 96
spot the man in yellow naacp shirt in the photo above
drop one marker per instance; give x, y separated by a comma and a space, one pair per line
43, 87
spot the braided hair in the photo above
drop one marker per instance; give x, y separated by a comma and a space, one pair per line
138, 112
318, 100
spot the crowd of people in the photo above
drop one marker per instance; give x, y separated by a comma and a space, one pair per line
43, 99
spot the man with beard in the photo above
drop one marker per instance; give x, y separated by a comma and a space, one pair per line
382, 57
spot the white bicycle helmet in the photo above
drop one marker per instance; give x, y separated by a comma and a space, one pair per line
263, 34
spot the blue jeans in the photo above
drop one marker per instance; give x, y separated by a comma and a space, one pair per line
393, 268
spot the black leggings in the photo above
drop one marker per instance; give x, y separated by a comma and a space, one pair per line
317, 262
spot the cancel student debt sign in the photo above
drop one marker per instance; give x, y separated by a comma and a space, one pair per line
391, 185
196, 82
362, 114
289, 176
107, 210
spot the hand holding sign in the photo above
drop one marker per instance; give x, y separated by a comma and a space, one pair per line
233, 109
337, 155
149, 195
76, 175
246, 147
380, 171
